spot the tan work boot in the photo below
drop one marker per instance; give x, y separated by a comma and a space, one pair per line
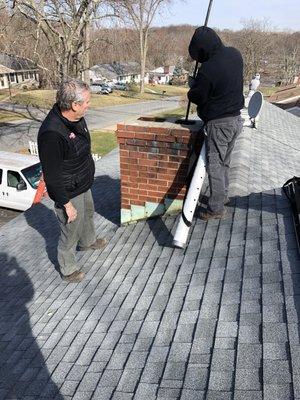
75, 277
97, 245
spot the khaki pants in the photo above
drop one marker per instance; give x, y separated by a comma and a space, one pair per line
79, 232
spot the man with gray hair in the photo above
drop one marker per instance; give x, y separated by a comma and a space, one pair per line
65, 152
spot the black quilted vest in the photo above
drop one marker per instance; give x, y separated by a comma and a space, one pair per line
78, 168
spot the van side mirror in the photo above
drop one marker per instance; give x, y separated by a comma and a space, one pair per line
21, 186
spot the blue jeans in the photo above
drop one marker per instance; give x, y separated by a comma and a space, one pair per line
221, 136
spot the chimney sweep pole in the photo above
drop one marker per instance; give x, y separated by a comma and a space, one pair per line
197, 63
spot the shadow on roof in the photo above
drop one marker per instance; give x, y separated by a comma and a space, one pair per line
43, 220
23, 370
107, 198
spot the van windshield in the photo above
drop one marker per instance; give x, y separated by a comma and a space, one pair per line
33, 174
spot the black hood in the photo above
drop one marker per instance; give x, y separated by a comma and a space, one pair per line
204, 43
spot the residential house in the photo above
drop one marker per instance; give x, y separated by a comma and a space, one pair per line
162, 75
16, 71
117, 72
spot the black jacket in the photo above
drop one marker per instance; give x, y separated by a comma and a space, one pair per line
65, 154
218, 87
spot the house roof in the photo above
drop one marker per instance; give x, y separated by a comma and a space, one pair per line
5, 70
116, 69
15, 63
153, 322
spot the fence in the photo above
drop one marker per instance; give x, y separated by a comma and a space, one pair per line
33, 148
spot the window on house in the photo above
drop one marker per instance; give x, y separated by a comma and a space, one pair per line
31, 75
2, 82
1, 176
26, 75
12, 77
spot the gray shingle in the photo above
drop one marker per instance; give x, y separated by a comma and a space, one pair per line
248, 379
196, 377
155, 317
220, 381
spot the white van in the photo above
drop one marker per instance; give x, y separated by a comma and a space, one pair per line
19, 178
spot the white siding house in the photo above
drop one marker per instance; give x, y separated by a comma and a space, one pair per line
17, 71
117, 72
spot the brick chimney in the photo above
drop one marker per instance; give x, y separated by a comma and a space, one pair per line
154, 163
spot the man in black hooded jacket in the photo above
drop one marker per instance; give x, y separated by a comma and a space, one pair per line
65, 152
217, 91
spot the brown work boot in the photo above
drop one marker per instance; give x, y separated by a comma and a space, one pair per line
97, 245
207, 215
75, 277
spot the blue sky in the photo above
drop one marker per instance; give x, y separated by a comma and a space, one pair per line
282, 14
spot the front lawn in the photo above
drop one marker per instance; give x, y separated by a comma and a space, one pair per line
46, 98
37, 98
6, 116
103, 141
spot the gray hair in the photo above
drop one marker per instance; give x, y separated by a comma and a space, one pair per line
70, 91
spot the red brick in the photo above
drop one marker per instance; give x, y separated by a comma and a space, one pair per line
150, 163
147, 186
184, 140
125, 179
138, 154
134, 180
147, 175
124, 153
176, 158
131, 147
133, 173
137, 128
161, 183
166, 139
159, 130
128, 160
169, 165
156, 193
153, 169
125, 134
145, 136
121, 127
166, 176
152, 156
143, 168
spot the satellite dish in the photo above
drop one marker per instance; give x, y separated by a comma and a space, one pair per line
255, 105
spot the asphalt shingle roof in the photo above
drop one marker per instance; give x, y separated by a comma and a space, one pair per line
16, 63
218, 320
116, 69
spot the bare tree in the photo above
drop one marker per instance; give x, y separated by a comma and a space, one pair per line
140, 15
255, 44
64, 24
288, 56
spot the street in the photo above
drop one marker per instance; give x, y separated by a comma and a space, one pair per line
15, 136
